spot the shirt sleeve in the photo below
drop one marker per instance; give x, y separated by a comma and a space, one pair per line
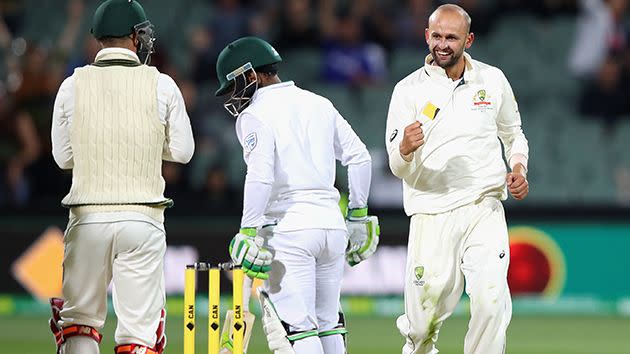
179, 145
509, 127
258, 144
61, 120
399, 116
351, 151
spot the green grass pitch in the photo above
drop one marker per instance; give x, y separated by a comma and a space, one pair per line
527, 335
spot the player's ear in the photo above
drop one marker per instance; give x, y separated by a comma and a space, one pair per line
251, 76
134, 39
426, 35
470, 38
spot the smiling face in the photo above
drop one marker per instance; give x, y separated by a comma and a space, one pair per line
448, 35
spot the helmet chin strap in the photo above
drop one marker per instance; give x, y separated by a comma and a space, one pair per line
242, 93
145, 35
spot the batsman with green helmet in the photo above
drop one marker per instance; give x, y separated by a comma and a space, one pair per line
292, 233
114, 121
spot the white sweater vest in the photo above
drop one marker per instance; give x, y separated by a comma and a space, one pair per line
117, 141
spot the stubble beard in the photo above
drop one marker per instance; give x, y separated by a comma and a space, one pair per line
455, 56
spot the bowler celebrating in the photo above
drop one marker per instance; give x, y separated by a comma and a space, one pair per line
444, 124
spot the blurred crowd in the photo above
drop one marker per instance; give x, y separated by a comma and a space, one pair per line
601, 57
356, 39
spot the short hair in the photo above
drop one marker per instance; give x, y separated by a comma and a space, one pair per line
269, 69
114, 41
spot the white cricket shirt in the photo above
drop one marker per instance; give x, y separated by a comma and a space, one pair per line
463, 121
291, 138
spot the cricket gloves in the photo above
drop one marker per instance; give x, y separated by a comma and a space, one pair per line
363, 235
246, 250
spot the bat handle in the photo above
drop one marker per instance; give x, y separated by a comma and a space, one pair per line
247, 292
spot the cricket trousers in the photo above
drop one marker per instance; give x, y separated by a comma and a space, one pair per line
468, 244
124, 248
305, 283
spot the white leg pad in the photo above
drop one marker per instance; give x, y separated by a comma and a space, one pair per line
333, 344
279, 340
272, 326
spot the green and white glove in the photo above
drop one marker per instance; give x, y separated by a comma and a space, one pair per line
246, 250
363, 235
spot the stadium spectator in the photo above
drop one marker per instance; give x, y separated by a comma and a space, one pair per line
230, 20
606, 95
202, 54
37, 79
410, 23
600, 31
86, 56
541, 8
68, 37
297, 26
12, 15
376, 21
348, 58
19, 147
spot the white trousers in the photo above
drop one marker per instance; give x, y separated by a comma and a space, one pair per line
469, 243
127, 248
305, 283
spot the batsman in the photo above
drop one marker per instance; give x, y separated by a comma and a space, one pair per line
114, 121
292, 232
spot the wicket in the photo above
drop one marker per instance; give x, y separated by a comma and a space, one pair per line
214, 314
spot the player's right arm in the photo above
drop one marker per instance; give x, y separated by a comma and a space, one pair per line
60, 130
403, 135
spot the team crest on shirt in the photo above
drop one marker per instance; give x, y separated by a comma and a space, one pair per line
250, 142
481, 101
419, 273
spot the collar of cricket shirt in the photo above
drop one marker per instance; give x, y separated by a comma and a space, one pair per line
263, 90
114, 53
436, 71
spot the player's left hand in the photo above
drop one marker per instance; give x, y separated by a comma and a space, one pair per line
363, 236
517, 182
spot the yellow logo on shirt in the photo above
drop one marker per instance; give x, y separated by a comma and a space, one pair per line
430, 110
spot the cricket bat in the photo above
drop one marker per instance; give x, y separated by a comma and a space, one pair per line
248, 320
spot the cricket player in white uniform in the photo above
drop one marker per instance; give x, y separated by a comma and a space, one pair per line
291, 139
114, 121
444, 124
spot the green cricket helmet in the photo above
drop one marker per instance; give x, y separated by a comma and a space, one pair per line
120, 18
234, 62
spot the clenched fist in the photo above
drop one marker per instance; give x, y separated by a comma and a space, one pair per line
412, 139
517, 182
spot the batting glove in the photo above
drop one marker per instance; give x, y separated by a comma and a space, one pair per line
246, 250
363, 235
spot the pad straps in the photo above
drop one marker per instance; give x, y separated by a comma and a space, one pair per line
295, 336
63, 333
338, 330
78, 330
